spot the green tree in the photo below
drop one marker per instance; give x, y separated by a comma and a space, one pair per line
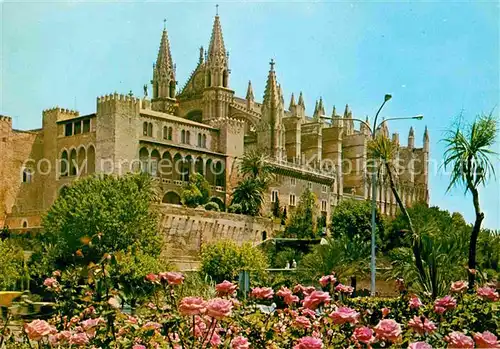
223, 260
352, 218
11, 265
301, 223
276, 208
196, 192
98, 215
249, 194
254, 164
469, 155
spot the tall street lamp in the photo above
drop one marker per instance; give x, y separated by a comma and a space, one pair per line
373, 131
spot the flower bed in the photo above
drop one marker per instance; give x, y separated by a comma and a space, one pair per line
304, 318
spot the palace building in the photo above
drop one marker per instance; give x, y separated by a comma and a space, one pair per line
204, 127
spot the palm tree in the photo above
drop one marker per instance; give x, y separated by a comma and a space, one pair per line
249, 193
468, 153
254, 164
385, 150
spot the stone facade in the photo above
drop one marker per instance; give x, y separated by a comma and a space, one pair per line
202, 127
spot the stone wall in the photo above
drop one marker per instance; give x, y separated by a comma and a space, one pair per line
186, 229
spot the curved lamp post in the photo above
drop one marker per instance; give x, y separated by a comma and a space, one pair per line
373, 131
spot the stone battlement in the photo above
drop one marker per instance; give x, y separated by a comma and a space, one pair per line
231, 122
118, 97
68, 112
118, 102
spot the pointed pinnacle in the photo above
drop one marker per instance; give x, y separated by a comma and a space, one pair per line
249, 95
292, 102
412, 132
301, 100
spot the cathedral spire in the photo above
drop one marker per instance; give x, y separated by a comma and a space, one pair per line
301, 100
292, 102
164, 69
249, 96
271, 93
216, 50
321, 108
217, 58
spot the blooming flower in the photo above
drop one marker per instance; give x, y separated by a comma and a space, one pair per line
459, 286
240, 342
315, 299
304, 290
327, 279
388, 329
421, 325
415, 302
487, 293
89, 325
191, 306
445, 303
138, 346
172, 277
419, 345
50, 283
225, 288
80, 338
219, 308
309, 312
344, 315
364, 335
151, 326
152, 277
344, 289
37, 329
486, 340
385, 311
287, 295
459, 340
302, 322
262, 293
309, 343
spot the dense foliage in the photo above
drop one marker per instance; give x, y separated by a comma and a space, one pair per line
196, 192
11, 264
224, 260
301, 224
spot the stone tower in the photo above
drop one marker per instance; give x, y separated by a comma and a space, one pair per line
164, 82
217, 96
270, 130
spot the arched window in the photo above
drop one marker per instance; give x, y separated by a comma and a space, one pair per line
183, 136
209, 79
199, 140
170, 130
188, 137
204, 142
64, 163
171, 198
165, 132
150, 130
264, 235
224, 78
25, 224
27, 175
145, 128
72, 163
172, 89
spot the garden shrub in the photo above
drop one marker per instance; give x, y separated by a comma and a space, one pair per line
235, 208
212, 206
223, 260
11, 265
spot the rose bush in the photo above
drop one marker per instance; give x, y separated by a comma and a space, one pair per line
310, 319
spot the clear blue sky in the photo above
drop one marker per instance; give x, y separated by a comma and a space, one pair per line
436, 58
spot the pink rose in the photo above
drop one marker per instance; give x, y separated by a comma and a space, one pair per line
486, 340
487, 293
240, 342
287, 295
415, 302
364, 335
151, 326
262, 293
385, 312
56, 273
388, 329
172, 277
89, 326
79, 339
447, 302
315, 299
37, 329
138, 346
191, 306
50, 283
219, 308
459, 340
459, 286
344, 315
309, 343
327, 279
302, 322
419, 345
421, 325
225, 288
304, 290
308, 312
344, 289
152, 277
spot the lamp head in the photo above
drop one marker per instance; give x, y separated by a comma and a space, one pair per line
418, 117
387, 97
